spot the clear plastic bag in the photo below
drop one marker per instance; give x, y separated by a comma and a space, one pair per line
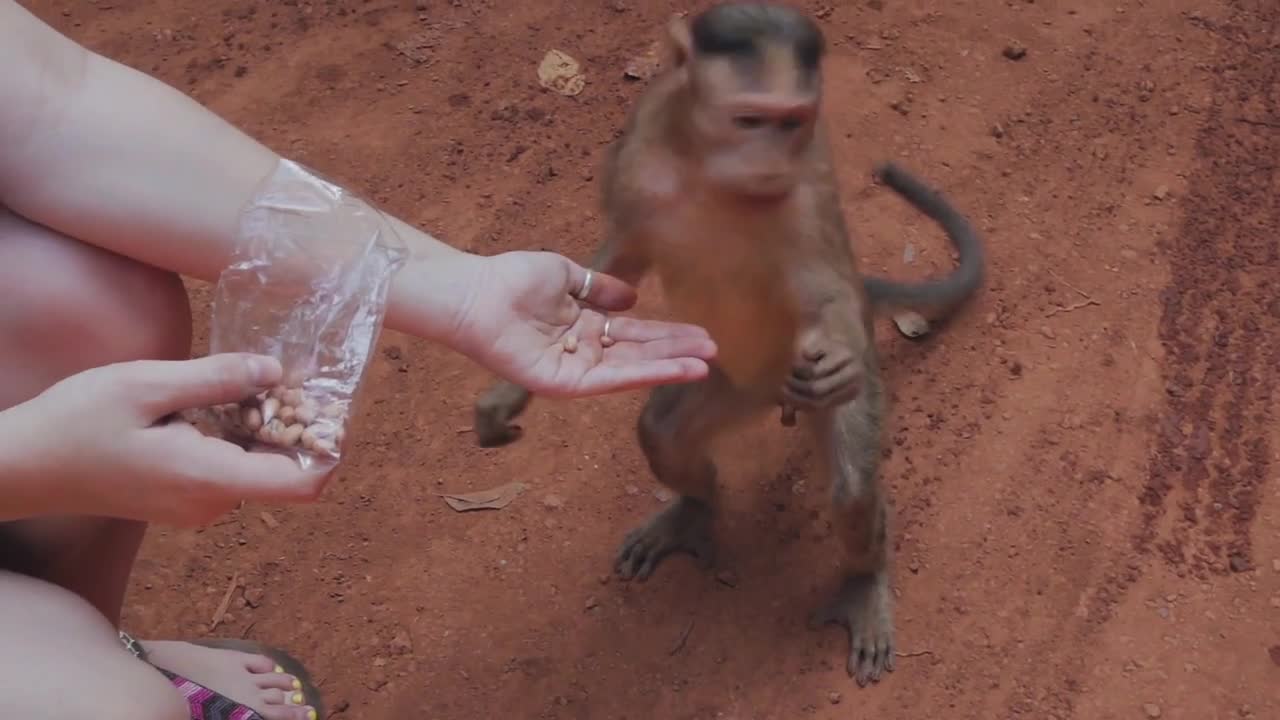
308, 285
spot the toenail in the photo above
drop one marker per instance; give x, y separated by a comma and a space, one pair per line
297, 684
279, 670
297, 698
311, 714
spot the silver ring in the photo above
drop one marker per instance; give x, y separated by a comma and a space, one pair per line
586, 286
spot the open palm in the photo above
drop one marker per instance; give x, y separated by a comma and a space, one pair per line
522, 309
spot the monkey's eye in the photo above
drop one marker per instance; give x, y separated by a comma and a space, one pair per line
748, 122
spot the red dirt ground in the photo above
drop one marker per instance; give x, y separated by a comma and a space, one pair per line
1086, 498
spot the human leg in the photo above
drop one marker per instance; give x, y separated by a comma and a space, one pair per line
69, 307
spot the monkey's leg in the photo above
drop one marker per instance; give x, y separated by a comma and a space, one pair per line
849, 436
676, 429
494, 411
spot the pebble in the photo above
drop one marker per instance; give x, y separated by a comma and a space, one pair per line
663, 495
592, 603
1047, 331
1275, 565
1161, 192
553, 502
1152, 710
1015, 51
834, 697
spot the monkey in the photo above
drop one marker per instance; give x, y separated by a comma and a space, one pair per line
721, 183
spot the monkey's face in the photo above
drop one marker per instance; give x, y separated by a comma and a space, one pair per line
753, 127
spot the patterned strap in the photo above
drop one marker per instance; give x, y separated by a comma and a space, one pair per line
205, 704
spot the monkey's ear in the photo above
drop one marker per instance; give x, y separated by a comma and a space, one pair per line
679, 42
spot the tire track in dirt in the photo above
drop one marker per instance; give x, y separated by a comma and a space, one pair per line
1209, 459
1220, 321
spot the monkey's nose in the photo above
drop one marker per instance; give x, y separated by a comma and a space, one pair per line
814, 354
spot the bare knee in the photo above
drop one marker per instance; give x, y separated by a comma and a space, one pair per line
71, 306
54, 640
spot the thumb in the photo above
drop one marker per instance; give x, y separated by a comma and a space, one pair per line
167, 386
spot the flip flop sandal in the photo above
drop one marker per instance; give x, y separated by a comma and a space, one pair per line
209, 705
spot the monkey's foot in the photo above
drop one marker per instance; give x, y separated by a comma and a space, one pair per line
863, 607
683, 527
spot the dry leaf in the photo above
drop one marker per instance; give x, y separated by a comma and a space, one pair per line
911, 324
492, 499
562, 74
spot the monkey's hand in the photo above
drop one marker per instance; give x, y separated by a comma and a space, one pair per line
825, 373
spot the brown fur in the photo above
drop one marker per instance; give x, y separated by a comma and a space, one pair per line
739, 215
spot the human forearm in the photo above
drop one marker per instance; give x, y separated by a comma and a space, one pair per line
120, 160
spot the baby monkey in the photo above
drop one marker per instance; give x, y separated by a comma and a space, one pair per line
722, 185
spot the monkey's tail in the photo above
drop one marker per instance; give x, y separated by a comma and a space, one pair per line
947, 292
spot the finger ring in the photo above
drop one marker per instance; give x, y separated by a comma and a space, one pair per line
605, 340
586, 286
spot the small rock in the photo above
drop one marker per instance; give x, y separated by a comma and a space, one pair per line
1015, 51
591, 603
401, 644
228, 618
1047, 331
997, 130
1275, 565
1238, 563
727, 578
1161, 192
914, 566
632, 490
1151, 710
1274, 652
834, 697
553, 502
1163, 612
663, 495
1128, 254
254, 596
604, 579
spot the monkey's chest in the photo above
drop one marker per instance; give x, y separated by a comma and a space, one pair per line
741, 295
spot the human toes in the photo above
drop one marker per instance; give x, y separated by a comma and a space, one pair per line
279, 680
288, 712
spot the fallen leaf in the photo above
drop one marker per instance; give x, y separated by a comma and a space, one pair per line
560, 73
492, 499
911, 324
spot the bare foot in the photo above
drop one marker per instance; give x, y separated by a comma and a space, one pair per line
251, 680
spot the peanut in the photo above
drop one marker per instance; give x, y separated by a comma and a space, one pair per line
285, 417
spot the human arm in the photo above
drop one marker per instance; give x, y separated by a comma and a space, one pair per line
117, 159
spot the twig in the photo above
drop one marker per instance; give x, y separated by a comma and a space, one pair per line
1082, 293
1258, 123
684, 637
916, 653
245, 633
226, 602
1072, 307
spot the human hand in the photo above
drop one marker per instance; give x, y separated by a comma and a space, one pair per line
521, 307
96, 444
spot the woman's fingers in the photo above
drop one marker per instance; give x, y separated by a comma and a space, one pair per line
608, 378
603, 291
623, 329
701, 348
